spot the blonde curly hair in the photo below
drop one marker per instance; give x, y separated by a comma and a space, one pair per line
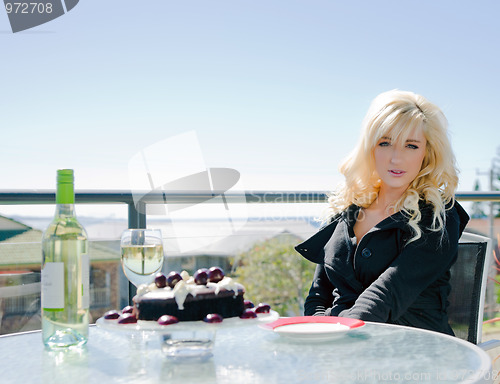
396, 114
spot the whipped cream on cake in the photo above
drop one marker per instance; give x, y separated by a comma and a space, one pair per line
187, 287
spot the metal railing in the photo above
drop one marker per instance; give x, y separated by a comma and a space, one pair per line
137, 209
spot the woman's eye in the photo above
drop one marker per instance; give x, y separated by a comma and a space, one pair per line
412, 146
384, 143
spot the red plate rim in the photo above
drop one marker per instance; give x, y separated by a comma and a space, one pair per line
351, 323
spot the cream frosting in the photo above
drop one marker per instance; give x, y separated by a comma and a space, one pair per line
187, 286
181, 291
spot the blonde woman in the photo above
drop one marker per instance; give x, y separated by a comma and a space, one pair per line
393, 227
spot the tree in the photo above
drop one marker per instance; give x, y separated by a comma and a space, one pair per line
274, 273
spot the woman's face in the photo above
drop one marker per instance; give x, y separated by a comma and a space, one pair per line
398, 164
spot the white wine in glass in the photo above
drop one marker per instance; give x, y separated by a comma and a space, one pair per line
142, 254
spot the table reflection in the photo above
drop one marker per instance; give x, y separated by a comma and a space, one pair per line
248, 354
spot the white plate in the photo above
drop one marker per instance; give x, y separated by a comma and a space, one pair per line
143, 326
313, 328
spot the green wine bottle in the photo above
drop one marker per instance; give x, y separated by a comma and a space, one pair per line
65, 272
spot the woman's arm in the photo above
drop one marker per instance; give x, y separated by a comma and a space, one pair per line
320, 297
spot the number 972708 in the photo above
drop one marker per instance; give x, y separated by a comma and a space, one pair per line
14, 7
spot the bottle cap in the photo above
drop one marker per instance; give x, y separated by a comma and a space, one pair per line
65, 176
65, 193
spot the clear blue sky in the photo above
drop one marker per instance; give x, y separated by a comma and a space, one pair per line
276, 89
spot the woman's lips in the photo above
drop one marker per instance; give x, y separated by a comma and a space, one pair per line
396, 172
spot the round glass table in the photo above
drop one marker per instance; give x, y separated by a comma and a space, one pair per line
373, 353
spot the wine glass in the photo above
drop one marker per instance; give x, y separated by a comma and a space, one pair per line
142, 254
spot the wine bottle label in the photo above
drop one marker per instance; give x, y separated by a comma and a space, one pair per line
53, 286
85, 280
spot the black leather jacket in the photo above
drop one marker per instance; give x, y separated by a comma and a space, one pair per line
384, 278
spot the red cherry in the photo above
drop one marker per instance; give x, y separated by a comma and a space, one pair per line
263, 308
215, 274
127, 318
167, 319
112, 315
248, 304
160, 280
128, 309
213, 318
248, 314
201, 276
173, 278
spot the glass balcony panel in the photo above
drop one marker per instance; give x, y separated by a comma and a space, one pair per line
266, 229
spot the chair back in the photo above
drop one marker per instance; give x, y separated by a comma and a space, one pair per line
469, 276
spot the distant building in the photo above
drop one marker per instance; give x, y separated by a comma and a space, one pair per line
20, 264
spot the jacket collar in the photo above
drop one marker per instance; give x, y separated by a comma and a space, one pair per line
400, 219
396, 220
313, 248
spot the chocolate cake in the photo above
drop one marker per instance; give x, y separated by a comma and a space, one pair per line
190, 298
